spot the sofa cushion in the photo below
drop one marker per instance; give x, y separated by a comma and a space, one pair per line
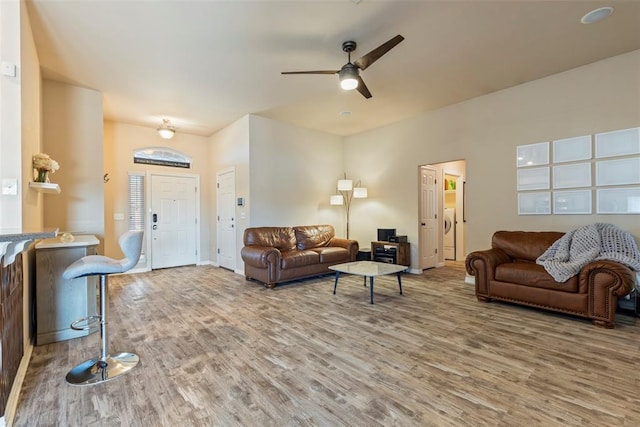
534, 275
281, 238
332, 254
524, 245
295, 258
313, 236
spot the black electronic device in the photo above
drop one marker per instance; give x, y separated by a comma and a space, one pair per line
388, 255
385, 233
398, 239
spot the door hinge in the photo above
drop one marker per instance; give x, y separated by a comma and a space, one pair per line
218, 185
218, 250
195, 189
196, 220
436, 250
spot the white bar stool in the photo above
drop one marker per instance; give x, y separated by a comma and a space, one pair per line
107, 366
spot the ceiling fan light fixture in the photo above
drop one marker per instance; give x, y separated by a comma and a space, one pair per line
348, 77
166, 130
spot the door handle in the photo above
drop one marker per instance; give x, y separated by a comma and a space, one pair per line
423, 224
155, 217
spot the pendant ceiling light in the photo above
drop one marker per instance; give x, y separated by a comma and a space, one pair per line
166, 130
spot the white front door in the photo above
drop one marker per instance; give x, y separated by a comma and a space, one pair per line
226, 216
428, 218
173, 221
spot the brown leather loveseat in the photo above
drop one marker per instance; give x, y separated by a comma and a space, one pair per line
279, 254
508, 272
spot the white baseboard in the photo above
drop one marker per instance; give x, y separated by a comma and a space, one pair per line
207, 263
14, 394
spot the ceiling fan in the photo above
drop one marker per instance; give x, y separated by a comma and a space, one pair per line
349, 74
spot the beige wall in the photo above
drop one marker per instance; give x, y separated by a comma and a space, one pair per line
72, 124
31, 122
120, 141
485, 132
293, 173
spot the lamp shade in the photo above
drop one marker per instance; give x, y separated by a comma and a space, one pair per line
337, 200
360, 192
345, 185
348, 76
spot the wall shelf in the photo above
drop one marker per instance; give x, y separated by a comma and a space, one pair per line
45, 187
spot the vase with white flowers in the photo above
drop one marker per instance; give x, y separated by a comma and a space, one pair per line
43, 164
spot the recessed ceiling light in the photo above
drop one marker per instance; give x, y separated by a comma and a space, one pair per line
596, 15
345, 113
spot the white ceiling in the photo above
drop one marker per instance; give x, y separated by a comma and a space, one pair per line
204, 64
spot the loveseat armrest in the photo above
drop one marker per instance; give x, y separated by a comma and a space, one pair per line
605, 281
612, 275
350, 245
260, 256
482, 265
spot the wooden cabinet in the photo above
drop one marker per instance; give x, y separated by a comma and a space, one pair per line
11, 326
394, 253
58, 301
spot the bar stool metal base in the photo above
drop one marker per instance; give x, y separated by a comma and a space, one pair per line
94, 371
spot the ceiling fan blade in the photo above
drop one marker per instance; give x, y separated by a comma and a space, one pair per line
362, 88
312, 72
376, 53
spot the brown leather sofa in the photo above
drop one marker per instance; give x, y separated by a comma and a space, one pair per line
274, 255
508, 272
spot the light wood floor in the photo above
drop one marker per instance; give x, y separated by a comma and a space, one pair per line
217, 350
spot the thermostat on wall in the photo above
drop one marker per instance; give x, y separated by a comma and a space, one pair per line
240, 201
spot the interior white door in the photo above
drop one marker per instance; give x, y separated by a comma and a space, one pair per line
428, 218
173, 221
226, 228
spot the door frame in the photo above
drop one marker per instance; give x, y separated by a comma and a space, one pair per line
147, 203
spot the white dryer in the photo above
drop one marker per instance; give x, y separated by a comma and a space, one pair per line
450, 233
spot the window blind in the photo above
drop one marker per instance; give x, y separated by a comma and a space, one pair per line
136, 202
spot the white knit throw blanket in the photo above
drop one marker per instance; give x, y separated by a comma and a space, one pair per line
567, 255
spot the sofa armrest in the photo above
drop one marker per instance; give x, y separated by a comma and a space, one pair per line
482, 265
260, 256
605, 281
350, 245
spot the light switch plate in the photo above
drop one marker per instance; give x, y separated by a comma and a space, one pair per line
10, 186
118, 216
8, 69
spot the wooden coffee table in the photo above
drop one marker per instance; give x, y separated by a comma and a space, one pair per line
368, 269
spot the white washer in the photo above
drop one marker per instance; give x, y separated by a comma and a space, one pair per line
450, 233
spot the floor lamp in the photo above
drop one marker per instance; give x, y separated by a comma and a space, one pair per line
346, 192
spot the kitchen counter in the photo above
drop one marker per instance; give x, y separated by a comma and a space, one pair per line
13, 241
